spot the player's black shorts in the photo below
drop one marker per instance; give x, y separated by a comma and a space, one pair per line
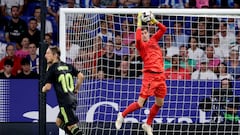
67, 114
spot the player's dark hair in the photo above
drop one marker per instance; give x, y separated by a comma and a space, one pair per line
144, 28
55, 50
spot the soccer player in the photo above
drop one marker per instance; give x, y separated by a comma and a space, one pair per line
153, 83
60, 75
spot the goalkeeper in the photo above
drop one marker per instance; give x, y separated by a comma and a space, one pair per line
153, 82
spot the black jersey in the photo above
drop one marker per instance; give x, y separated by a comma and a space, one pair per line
60, 75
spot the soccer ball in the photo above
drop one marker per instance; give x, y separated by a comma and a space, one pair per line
146, 16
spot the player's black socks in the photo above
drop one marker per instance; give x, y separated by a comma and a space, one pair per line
76, 131
64, 127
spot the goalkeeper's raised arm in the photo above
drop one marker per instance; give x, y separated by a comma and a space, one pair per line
153, 82
142, 36
162, 28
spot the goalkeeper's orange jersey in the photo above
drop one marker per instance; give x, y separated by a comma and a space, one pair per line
150, 51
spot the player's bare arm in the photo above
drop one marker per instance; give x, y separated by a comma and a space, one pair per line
79, 81
46, 87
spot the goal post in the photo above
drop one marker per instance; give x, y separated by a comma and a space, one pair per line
87, 34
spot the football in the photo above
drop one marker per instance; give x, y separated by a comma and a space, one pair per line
146, 16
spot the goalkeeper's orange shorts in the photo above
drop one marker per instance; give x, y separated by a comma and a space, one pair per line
153, 84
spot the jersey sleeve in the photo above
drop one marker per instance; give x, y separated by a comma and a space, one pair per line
160, 32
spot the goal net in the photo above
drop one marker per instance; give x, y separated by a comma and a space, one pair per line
200, 48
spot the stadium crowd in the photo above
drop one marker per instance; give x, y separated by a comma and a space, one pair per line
193, 48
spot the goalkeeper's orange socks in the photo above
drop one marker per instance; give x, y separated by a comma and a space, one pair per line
153, 112
132, 107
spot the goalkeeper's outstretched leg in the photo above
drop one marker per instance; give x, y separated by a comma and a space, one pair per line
153, 82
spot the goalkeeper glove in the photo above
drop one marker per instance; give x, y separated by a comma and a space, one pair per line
153, 20
139, 21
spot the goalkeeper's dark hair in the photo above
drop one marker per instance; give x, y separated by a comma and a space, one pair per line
55, 50
144, 27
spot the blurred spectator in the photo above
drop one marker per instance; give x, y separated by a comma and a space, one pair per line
218, 51
170, 48
123, 72
212, 61
110, 23
84, 3
236, 4
2, 49
185, 61
48, 24
104, 33
145, 3
136, 63
3, 23
88, 60
202, 3
120, 49
176, 72
70, 4
109, 62
175, 4
6, 6
167, 41
227, 39
222, 72
23, 51
98, 47
128, 34
6, 73
128, 3
225, 3
53, 7
204, 73
72, 50
167, 62
16, 27
10, 49
152, 29
48, 40
179, 37
194, 52
202, 33
80, 64
33, 58
225, 104
233, 64
33, 33
105, 3
232, 26
212, 27
26, 72
222, 104
237, 43
101, 75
